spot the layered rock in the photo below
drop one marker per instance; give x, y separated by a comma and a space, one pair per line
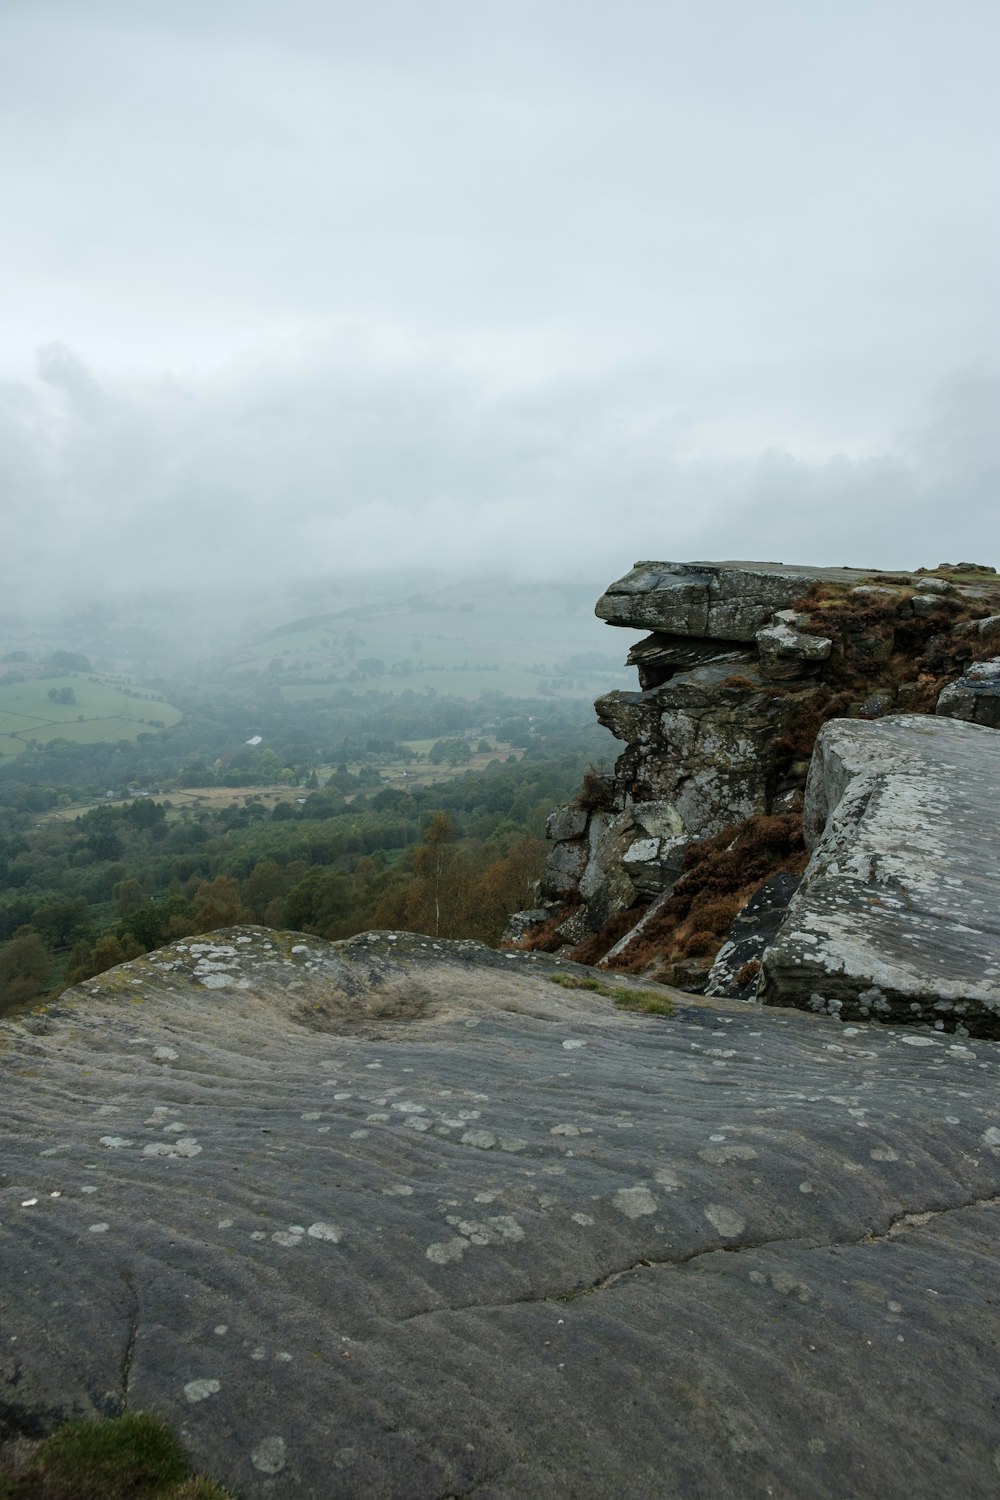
744, 663
402, 1218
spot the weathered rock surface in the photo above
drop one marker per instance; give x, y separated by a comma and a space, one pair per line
404, 1219
719, 601
975, 697
744, 662
897, 914
752, 930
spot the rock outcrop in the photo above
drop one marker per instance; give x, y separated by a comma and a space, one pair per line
896, 918
744, 664
403, 1218
975, 697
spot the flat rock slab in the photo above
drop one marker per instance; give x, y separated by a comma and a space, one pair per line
400, 1218
898, 914
727, 601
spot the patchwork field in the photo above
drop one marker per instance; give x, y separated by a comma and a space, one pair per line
100, 710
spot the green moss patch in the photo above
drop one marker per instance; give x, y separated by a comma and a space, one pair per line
649, 1002
133, 1457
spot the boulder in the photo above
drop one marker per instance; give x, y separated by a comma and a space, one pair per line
563, 869
786, 650
895, 918
402, 1218
975, 697
568, 822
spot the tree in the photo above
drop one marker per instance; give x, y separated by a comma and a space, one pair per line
217, 904
24, 969
433, 862
128, 896
107, 953
265, 883
506, 886
61, 923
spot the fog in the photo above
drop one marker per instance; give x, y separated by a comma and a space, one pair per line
301, 293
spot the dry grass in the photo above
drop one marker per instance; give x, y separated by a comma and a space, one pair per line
720, 876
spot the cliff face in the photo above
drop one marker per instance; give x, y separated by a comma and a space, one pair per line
743, 665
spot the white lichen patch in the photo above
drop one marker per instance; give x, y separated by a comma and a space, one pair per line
186, 1146
166, 1054
483, 1140
492, 1231
115, 1142
573, 1043
635, 1202
200, 1390
323, 1231
665, 1178
269, 1456
726, 1220
289, 1238
215, 981
443, 1252
720, 1156
583, 1219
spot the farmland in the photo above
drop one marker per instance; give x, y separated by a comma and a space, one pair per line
99, 710
522, 642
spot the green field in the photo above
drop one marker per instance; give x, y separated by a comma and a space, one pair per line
520, 641
101, 711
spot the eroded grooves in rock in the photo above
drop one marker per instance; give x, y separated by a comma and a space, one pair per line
403, 1218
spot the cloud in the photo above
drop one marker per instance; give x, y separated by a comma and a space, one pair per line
352, 462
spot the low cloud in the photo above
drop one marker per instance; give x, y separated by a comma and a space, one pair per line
336, 465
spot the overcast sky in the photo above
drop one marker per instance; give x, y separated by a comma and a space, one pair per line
304, 287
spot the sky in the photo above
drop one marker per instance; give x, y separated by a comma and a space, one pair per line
318, 289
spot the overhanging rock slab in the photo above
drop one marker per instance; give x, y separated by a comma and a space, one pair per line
898, 915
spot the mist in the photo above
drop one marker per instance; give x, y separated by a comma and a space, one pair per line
308, 298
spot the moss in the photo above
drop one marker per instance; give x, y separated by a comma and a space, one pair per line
649, 1002
132, 1457
574, 982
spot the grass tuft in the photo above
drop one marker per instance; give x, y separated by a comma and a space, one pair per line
649, 1002
132, 1457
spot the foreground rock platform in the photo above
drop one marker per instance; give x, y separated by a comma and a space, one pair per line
401, 1218
898, 913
